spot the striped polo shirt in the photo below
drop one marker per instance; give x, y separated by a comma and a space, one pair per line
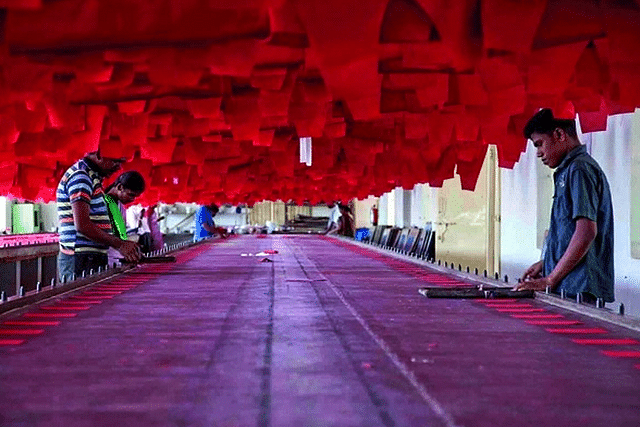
81, 183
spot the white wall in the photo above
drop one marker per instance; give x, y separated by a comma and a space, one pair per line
612, 150
231, 219
422, 209
402, 214
362, 212
383, 210
49, 217
518, 215
5, 214
317, 211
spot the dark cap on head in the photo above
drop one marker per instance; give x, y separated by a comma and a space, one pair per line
544, 122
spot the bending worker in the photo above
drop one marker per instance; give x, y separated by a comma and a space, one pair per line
204, 224
84, 226
124, 190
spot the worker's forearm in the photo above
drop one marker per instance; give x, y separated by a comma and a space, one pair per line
209, 228
97, 235
84, 224
578, 247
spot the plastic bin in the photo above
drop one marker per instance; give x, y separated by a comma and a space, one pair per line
362, 233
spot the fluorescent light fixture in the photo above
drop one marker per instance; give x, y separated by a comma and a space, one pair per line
305, 150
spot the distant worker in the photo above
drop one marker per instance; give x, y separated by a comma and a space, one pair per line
578, 256
157, 238
124, 190
83, 222
204, 224
138, 227
334, 215
345, 226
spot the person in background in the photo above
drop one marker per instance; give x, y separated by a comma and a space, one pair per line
204, 224
346, 225
124, 190
138, 227
578, 253
83, 221
157, 239
334, 215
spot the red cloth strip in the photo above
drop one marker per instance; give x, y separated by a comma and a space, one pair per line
621, 353
11, 342
577, 331
509, 305
102, 292
605, 341
80, 302
47, 315
57, 307
538, 316
30, 323
94, 297
21, 331
553, 322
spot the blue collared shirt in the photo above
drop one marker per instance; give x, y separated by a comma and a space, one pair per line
582, 191
203, 216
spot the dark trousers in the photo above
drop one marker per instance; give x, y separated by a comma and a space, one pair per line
68, 265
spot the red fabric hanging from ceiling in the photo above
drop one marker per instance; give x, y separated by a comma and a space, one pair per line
499, 28
393, 92
243, 114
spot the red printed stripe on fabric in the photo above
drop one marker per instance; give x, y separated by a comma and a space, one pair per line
11, 342
621, 353
538, 316
21, 331
30, 323
553, 322
52, 315
577, 330
605, 341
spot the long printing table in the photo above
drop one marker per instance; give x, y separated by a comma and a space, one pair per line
308, 331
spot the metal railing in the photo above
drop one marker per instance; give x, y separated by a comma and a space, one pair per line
24, 267
28, 274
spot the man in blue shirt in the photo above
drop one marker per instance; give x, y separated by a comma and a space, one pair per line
204, 225
579, 253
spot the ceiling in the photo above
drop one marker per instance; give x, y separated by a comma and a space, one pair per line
208, 98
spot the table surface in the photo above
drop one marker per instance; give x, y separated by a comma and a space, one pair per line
308, 331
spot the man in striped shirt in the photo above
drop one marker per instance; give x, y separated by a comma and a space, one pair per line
83, 219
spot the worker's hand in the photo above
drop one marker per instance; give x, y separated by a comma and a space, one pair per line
533, 272
536, 284
130, 251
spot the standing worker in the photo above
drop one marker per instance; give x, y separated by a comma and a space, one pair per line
83, 221
579, 246
204, 224
334, 216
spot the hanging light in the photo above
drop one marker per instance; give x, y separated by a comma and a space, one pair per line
305, 150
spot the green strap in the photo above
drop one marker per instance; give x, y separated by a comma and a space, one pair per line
117, 222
